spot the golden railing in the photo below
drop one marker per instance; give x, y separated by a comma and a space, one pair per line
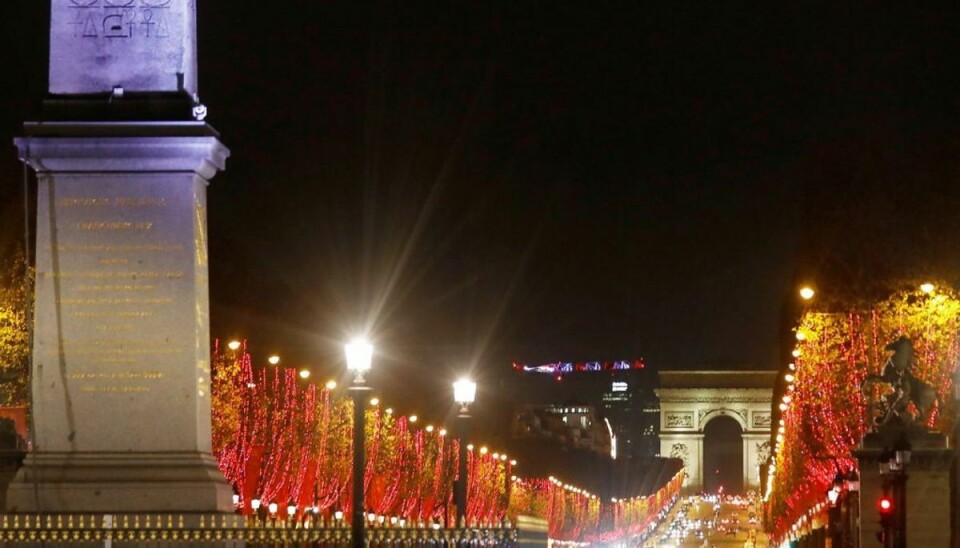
78, 529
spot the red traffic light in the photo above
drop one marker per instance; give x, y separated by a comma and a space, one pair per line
886, 505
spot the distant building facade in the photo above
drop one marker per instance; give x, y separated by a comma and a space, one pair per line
575, 426
619, 404
633, 410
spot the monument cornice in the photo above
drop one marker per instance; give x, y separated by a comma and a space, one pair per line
136, 128
163, 152
715, 395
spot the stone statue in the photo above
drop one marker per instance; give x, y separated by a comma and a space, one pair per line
679, 451
902, 388
763, 452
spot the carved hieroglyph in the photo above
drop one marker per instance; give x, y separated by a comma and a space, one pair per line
139, 45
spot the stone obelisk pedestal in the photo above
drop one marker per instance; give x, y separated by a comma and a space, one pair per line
928, 488
121, 357
121, 382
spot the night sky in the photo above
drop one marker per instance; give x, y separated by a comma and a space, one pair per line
483, 182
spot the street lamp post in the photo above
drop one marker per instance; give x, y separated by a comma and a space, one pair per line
835, 512
852, 522
359, 357
464, 393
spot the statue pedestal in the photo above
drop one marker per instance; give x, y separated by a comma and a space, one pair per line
121, 372
928, 492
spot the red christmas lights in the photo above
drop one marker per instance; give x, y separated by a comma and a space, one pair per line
284, 441
825, 414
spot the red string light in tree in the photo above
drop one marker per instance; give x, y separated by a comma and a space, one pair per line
283, 441
827, 414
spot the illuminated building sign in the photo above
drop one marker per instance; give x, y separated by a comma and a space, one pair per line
563, 368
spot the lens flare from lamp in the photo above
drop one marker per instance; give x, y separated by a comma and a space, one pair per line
359, 355
464, 391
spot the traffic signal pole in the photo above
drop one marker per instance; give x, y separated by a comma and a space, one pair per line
888, 512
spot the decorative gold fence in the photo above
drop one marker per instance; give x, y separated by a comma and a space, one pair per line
226, 530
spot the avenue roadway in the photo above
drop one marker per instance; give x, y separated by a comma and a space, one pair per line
711, 521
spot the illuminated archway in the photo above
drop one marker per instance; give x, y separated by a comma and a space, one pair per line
689, 400
723, 455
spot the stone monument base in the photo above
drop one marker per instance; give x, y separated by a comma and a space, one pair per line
121, 359
928, 494
106, 482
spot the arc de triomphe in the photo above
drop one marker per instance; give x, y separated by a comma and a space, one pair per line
689, 400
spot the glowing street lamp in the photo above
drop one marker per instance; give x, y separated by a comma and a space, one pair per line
464, 393
255, 504
359, 358
233, 345
304, 374
927, 287
807, 292
832, 495
273, 360
359, 354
